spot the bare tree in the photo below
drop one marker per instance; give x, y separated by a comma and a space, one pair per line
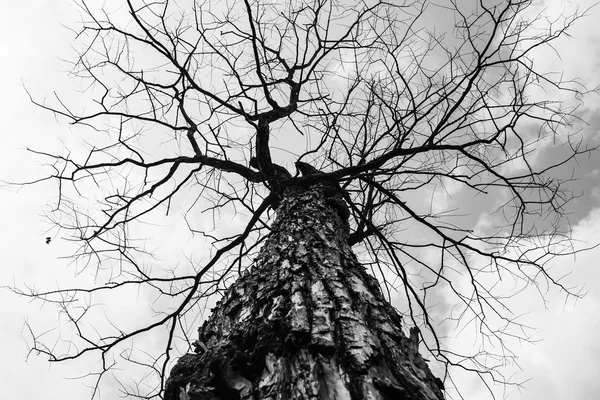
326, 128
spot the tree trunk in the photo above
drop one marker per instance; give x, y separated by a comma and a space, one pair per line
305, 322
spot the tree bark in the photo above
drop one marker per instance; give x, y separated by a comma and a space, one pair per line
305, 322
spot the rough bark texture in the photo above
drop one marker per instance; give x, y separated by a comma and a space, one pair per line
305, 322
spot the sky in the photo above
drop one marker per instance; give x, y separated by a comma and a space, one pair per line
564, 365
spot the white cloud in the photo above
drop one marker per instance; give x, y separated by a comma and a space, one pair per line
562, 362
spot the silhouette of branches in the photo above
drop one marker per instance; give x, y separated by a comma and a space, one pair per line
180, 95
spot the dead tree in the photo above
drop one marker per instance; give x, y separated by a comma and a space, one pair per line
325, 127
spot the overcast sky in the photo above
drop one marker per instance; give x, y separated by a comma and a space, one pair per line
564, 366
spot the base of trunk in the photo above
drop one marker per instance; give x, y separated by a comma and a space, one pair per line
305, 322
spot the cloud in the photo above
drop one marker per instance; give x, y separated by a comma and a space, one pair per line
562, 362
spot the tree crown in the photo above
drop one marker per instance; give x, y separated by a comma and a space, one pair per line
365, 98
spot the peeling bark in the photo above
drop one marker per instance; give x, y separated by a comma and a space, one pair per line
305, 322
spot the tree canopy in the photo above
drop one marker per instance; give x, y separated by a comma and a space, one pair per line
431, 119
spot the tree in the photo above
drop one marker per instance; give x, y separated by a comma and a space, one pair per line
371, 110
